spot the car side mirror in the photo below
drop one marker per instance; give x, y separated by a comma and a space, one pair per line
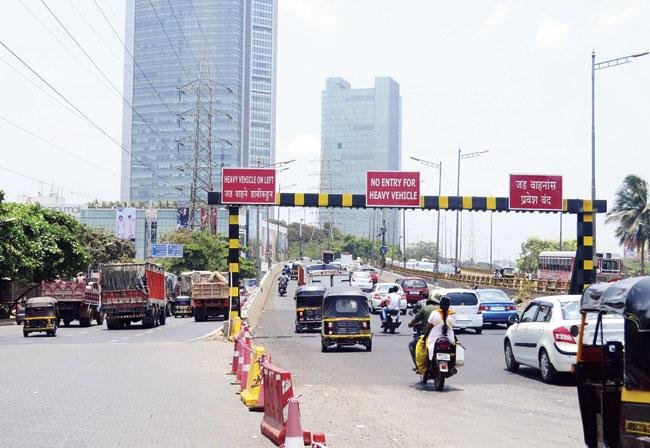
513, 319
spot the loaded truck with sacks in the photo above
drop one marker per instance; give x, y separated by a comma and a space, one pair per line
133, 292
75, 301
209, 293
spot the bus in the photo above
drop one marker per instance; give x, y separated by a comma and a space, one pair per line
558, 265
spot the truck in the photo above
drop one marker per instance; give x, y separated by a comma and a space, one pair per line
328, 256
75, 301
209, 293
346, 259
133, 292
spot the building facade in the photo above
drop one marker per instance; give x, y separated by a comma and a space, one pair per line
361, 130
166, 46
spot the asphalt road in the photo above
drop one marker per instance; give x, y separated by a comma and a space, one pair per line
374, 399
91, 387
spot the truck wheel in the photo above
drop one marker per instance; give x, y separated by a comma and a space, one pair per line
66, 322
163, 317
84, 322
99, 319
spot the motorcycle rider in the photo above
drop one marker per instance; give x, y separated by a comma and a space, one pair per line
440, 323
420, 319
391, 302
283, 279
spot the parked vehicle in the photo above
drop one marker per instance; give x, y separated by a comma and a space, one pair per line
183, 307
41, 315
346, 320
372, 272
309, 307
543, 337
414, 288
466, 304
361, 280
133, 292
379, 293
612, 374
75, 301
496, 306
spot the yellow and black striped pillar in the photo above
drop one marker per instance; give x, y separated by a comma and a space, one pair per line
233, 260
584, 269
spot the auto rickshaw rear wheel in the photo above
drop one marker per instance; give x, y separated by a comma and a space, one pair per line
323, 346
25, 333
369, 346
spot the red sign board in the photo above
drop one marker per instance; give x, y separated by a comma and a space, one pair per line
535, 192
248, 186
392, 189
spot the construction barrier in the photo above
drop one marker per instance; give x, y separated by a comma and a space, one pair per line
250, 396
295, 437
244, 365
235, 354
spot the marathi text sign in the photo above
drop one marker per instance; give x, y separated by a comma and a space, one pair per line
535, 192
248, 186
392, 189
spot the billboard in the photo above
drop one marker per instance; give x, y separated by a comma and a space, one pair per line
125, 220
182, 217
248, 186
392, 189
535, 192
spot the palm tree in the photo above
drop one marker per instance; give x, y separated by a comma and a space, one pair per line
632, 213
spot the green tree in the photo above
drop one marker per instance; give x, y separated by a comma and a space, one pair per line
421, 250
104, 247
201, 252
531, 248
631, 212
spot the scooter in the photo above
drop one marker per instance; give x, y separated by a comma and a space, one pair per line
443, 364
282, 288
392, 321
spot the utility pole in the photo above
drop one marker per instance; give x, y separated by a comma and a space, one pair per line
382, 232
301, 248
404, 235
491, 216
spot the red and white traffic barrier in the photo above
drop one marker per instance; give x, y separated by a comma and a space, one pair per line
235, 354
295, 436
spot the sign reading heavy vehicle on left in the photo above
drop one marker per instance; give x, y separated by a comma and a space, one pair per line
393, 189
248, 186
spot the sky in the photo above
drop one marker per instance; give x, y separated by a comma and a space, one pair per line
509, 77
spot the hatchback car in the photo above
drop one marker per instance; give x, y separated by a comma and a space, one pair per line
415, 289
466, 304
372, 272
379, 293
544, 336
496, 306
361, 280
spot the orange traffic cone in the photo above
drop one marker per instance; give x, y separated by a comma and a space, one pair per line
318, 440
294, 435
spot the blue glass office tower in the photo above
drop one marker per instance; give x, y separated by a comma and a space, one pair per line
361, 130
168, 41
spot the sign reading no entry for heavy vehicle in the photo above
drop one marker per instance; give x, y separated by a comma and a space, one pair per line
248, 186
393, 189
535, 192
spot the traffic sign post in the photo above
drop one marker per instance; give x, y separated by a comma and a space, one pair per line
248, 186
535, 192
167, 251
383, 250
392, 189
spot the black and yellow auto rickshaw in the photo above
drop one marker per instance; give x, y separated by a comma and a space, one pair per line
183, 306
613, 377
346, 318
309, 307
41, 314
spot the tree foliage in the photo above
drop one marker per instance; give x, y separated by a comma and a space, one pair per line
631, 212
531, 248
104, 247
423, 249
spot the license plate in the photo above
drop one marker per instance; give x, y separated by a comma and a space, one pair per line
463, 322
443, 356
414, 293
497, 308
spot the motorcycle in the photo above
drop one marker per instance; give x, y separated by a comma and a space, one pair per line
392, 321
444, 363
282, 288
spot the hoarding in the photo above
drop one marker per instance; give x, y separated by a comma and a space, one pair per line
535, 192
248, 186
182, 217
125, 220
392, 189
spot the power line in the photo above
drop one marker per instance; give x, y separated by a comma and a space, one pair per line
86, 117
189, 78
44, 182
54, 145
180, 28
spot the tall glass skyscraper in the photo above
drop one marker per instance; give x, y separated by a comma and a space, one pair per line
361, 130
168, 41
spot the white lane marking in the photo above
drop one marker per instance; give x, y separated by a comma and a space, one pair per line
149, 332
112, 340
205, 335
82, 332
126, 337
139, 334
68, 335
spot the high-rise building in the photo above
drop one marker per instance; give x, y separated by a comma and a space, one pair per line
166, 43
361, 130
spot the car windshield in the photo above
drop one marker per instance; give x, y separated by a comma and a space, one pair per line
414, 283
383, 288
492, 295
462, 298
346, 306
361, 275
570, 310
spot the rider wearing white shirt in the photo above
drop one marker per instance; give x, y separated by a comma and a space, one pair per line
391, 302
441, 323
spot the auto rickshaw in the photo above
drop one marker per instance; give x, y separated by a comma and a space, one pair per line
41, 314
183, 306
613, 378
346, 318
309, 307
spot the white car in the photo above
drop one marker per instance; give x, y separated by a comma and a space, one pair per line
379, 292
467, 306
361, 280
544, 336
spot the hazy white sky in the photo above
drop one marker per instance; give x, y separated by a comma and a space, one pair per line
510, 77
